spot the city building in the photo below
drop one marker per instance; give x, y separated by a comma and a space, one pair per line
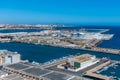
7, 57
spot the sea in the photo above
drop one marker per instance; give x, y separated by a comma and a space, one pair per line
42, 53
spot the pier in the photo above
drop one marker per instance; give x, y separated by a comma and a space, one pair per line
105, 50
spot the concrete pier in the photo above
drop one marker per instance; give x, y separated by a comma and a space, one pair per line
106, 50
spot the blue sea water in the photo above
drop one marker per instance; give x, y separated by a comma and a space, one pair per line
41, 54
115, 41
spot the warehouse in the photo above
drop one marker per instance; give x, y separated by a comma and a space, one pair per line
79, 62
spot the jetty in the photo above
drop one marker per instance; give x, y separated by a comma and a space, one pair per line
105, 50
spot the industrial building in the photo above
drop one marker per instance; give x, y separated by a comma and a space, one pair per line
79, 62
7, 57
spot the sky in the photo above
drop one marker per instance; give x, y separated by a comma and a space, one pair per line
60, 11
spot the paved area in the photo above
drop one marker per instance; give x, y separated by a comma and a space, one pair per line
57, 76
36, 71
18, 66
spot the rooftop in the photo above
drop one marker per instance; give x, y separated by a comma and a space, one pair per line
82, 58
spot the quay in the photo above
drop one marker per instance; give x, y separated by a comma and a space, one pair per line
105, 50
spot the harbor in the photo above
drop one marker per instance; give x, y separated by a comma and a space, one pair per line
37, 51
59, 40
77, 39
83, 44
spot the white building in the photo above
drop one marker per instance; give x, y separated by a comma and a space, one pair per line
79, 62
16, 58
7, 57
82, 61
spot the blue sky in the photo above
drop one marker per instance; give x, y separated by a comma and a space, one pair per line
60, 11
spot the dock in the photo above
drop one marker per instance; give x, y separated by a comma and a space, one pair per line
105, 50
